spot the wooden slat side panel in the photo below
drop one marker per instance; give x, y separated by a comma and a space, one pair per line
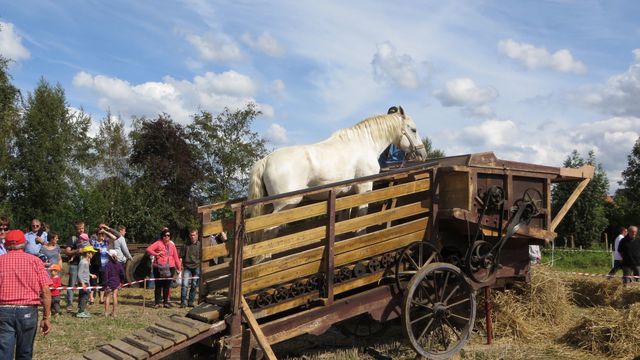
316, 235
311, 255
346, 202
292, 273
312, 236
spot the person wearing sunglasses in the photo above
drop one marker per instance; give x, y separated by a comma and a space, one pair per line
4, 228
165, 263
35, 238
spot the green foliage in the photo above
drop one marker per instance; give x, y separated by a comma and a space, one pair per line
586, 219
226, 149
431, 152
625, 210
165, 171
9, 114
50, 153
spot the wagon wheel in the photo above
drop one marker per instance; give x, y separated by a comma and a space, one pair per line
362, 326
412, 258
481, 263
438, 311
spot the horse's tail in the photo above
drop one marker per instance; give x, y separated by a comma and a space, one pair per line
256, 186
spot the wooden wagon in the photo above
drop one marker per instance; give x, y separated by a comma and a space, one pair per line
434, 234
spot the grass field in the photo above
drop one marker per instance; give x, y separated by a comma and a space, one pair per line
580, 261
72, 336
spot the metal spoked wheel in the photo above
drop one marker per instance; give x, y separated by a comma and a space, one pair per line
412, 258
439, 310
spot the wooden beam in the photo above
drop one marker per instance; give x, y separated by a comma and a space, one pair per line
329, 249
567, 205
257, 332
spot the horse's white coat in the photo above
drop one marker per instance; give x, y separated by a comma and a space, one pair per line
349, 153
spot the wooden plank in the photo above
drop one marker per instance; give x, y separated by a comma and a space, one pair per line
216, 227
115, 353
257, 332
152, 338
346, 202
329, 247
147, 346
568, 204
198, 325
167, 334
179, 328
309, 256
289, 274
97, 355
137, 353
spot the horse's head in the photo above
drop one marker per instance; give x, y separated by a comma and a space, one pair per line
410, 141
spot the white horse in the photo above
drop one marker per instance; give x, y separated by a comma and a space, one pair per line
349, 153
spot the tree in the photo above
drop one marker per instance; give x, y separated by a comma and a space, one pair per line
9, 114
164, 173
626, 208
226, 149
51, 155
431, 152
586, 220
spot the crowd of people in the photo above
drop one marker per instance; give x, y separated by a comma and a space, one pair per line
31, 269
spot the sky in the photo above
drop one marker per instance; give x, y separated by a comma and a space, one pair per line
528, 80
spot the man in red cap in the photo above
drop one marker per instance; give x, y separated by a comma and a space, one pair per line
22, 278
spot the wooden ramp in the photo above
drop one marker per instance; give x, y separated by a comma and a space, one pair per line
158, 340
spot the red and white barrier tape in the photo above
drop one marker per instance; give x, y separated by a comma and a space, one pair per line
599, 275
121, 286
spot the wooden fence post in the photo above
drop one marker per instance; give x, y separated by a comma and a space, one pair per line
329, 246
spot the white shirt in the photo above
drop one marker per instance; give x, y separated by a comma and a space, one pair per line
534, 253
616, 242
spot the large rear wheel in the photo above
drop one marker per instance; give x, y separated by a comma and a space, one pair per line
439, 310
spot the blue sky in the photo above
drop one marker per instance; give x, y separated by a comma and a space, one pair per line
529, 80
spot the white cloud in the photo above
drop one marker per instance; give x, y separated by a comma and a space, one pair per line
11, 43
265, 43
463, 92
393, 68
216, 47
611, 139
620, 95
537, 57
179, 98
277, 134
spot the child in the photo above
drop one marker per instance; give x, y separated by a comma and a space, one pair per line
84, 278
113, 277
54, 269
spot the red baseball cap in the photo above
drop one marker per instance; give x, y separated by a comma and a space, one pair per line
14, 238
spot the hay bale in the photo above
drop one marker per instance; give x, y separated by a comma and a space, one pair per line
607, 331
532, 310
626, 296
590, 292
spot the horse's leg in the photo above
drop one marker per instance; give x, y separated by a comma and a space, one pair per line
272, 232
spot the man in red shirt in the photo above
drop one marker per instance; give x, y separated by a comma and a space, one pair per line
22, 278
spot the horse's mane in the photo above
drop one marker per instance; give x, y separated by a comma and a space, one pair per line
376, 126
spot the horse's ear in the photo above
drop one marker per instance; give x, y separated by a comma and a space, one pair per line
401, 110
392, 110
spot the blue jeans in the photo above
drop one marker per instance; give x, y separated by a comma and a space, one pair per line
191, 284
18, 328
73, 281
